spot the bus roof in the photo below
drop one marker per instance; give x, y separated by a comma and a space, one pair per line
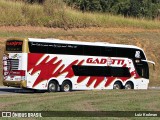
52, 40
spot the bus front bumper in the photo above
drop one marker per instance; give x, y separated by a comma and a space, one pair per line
22, 83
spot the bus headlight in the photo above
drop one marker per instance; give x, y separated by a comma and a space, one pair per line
137, 61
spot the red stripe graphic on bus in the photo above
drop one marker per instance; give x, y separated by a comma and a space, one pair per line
97, 79
47, 70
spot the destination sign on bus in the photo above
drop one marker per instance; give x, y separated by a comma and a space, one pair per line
14, 45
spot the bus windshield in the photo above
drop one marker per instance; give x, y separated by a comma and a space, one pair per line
142, 69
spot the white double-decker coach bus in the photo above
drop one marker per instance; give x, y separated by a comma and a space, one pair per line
53, 65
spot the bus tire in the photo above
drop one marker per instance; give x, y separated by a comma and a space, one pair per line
117, 85
52, 86
129, 85
66, 86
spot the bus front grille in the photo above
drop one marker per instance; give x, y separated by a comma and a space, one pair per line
12, 64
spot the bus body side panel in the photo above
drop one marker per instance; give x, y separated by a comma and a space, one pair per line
45, 67
33, 71
140, 83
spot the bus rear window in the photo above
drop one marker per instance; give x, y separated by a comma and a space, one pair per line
14, 45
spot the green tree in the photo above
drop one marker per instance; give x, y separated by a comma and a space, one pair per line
106, 5
135, 8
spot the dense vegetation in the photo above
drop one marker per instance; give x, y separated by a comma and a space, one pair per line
135, 8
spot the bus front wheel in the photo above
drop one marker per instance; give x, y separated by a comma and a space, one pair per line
129, 85
52, 86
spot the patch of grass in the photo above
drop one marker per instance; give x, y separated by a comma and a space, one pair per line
54, 13
107, 100
11, 13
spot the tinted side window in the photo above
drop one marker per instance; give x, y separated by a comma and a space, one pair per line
92, 50
55, 48
38, 47
108, 51
120, 72
130, 53
124, 52
91, 70
71, 49
101, 71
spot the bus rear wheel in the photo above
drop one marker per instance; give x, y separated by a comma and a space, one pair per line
117, 85
52, 86
66, 86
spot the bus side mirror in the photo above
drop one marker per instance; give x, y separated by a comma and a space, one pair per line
153, 63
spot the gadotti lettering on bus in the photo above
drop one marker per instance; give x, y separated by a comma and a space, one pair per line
14, 43
104, 61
